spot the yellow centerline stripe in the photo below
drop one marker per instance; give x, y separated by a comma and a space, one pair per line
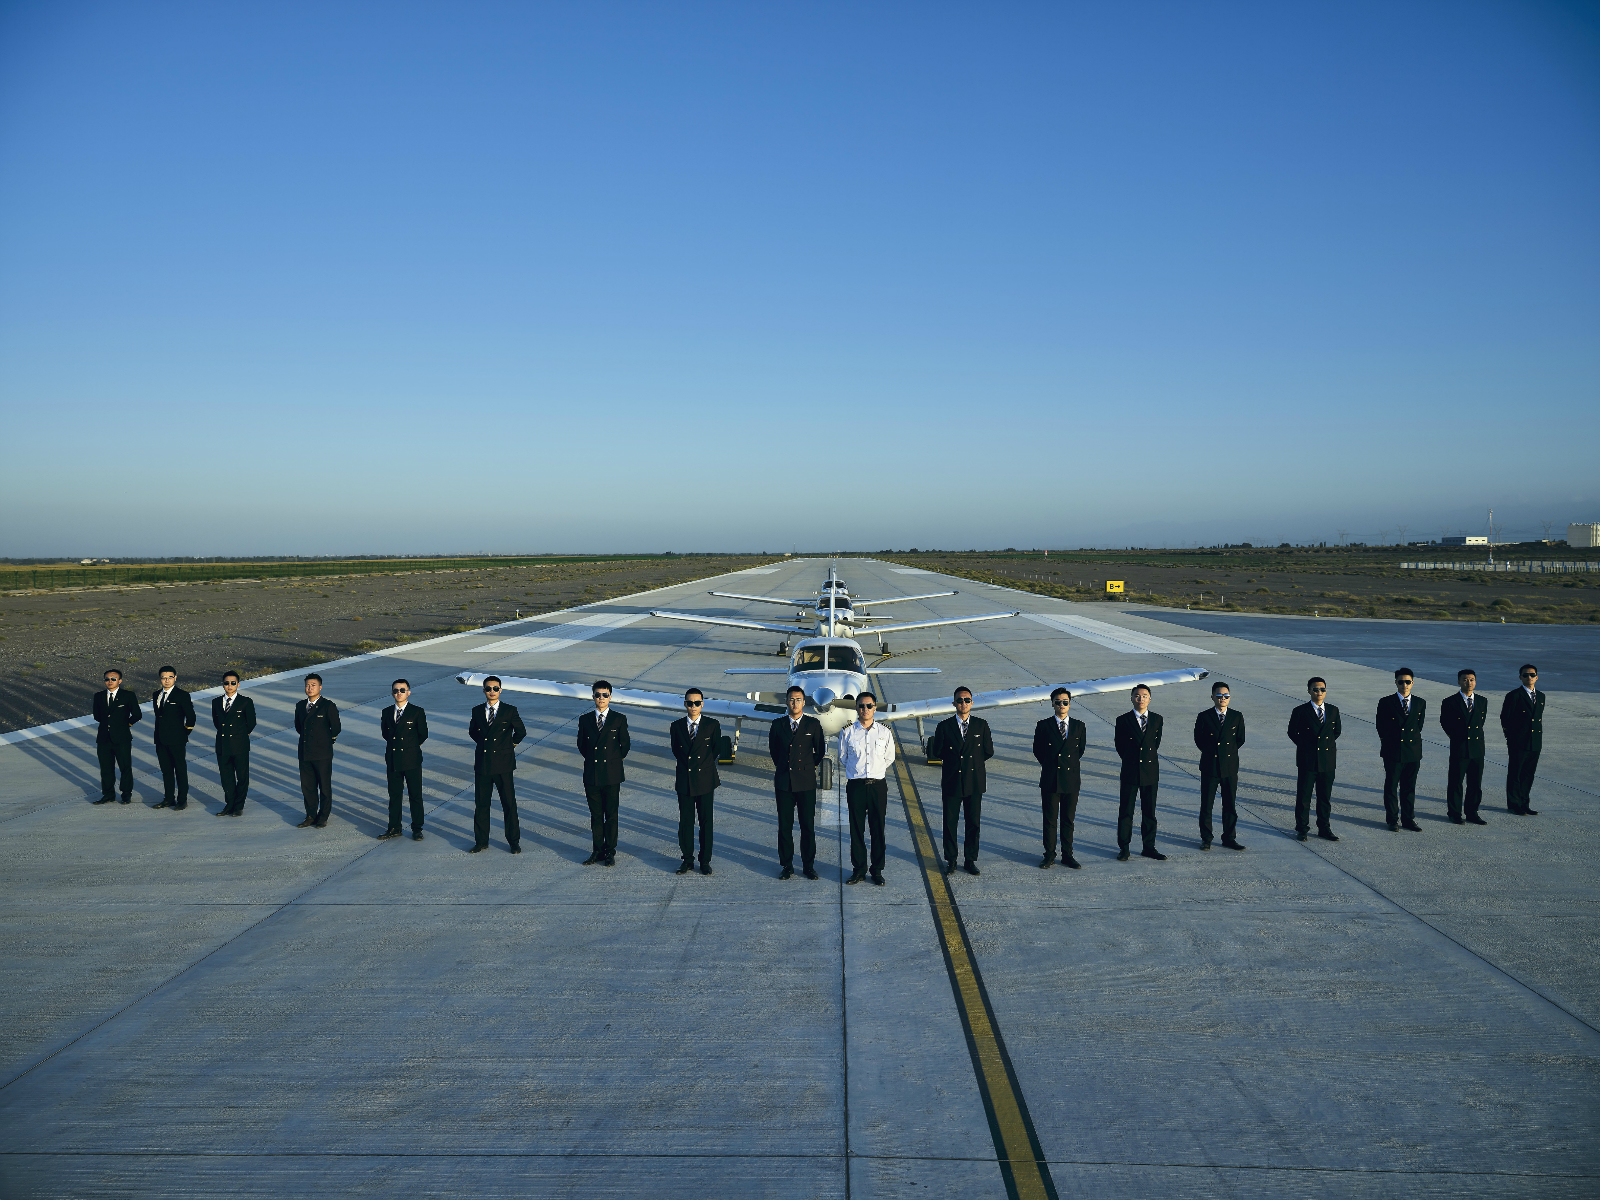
1027, 1176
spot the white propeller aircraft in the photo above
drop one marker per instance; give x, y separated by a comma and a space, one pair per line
835, 612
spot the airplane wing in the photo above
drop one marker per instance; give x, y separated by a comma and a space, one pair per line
891, 599
878, 630
672, 701
1029, 695
902, 670
737, 624
811, 603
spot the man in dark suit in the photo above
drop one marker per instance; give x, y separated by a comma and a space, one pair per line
603, 742
116, 711
1058, 744
496, 728
404, 727
1400, 719
1461, 716
1218, 733
964, 744
797, 746
316, 720
1522, 722
174, 722
233, 716
1138, 741
1314, 728
695, 743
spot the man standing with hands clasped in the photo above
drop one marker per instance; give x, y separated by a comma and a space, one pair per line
866, 750
316, 720
603, 741
116, 711
404, 727
1138, 740
1218, 733
1058, 744
1400, 720
496, 728
1522, 722
174, 713
696, 740
964, 744
797, 746
234, 716
1461, 716
1314, 729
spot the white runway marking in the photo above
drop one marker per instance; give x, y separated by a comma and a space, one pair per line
1114, 637
759, 571
559, 637
910, 571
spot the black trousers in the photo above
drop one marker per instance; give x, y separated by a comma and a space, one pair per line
954, 808
1060, 812
114, 755
402, 780
1520, 768
1469, 770
316, 787
806, 803
603, 800
688, 806
1400, 790
234, 768
1209, 783
1322, 781
868, 800
506, 784
174, 762
1145, 794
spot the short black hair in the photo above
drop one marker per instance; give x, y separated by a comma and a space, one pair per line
1405, 671
601, 683
407, 682
486, 679
1314, 680
1061, 692
866, 696
111, 671
1137, 688
164, 670
1464, 672
312, 676
694, 692
1527, 667
1220, 684
793, 688
227, 675
956, 695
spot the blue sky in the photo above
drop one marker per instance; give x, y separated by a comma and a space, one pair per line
519, 277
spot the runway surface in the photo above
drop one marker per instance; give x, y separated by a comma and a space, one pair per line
207, 1007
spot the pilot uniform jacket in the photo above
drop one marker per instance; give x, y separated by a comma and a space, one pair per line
1138, 747
963, 771
1522, 720
403, 738
796, 753
116, 717
174, 719
497, 740
697, 759
1464, 729
1219, 742
1059, 757
1315, 742
1399, 731
234, 726
604, 749
318, 729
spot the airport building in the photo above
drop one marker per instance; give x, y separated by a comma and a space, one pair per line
1586, 535
1464, 541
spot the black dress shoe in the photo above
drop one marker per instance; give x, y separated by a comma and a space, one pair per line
856, 877
517, 849
166, 804
1326, 835
1394, 827
1232, 843
1530, 812
877, 878
127, 800
236, 812
1047, 862
1205, 845
477, 850
1122, 855
1458, 820
388, 833
105, 800
810, 873
1475, 819
949, 867
971, 868
684, 867
592, 859
609, 860
180, 807
786, 873
1069, 861
319, 824
1153, 853
416, 834
1300, 835
306, 824
705, 868
1411, 825
221, 812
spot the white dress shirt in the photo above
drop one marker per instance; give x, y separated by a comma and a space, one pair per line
111, 695
165, 692
1320, 715
399, 709
866, 753
489, 710
1532, 695
1468, 698
1405, 702
600, 718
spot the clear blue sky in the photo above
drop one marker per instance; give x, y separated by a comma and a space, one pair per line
327, 278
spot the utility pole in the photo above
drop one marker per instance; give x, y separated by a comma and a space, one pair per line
1491, 537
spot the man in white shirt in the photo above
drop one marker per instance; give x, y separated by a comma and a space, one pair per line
866, 750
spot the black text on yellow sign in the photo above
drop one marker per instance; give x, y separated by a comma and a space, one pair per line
1113, 585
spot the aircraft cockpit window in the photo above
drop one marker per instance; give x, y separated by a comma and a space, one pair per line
845, 658
809, 658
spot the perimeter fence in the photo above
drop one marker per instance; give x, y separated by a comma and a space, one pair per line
1550, 566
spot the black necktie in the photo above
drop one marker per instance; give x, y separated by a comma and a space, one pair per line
227, 704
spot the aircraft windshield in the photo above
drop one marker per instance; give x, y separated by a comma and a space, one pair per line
845, 658
809, 658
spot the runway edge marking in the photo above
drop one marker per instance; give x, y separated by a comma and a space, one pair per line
1022, 1161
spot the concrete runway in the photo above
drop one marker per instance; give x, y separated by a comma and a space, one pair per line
206, 1007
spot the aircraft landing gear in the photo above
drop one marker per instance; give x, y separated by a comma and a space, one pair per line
783, 649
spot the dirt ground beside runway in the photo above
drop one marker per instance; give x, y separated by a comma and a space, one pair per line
54, 645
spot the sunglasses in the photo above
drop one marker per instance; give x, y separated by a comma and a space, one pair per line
602, 695
1319, 689
865, 707
1530, 674
694, 703
964, 700
1060, 703
491, 687
403, 691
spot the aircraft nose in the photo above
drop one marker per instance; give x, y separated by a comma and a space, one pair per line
823, 698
